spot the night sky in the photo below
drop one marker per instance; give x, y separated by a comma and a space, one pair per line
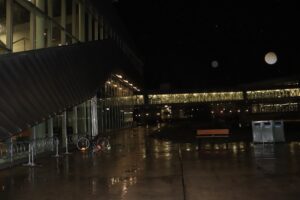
178, 40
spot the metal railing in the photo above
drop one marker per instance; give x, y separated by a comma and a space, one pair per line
15, 150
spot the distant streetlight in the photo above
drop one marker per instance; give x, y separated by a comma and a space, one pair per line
271, 58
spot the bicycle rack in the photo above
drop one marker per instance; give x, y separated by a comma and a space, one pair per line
30, 156
56, 148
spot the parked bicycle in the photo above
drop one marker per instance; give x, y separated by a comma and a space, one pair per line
101, 143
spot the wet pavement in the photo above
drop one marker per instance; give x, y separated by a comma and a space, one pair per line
138, 167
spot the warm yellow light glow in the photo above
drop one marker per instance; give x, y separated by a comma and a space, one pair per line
119, 76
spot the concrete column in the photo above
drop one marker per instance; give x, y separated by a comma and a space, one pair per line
64, 129
88, 118
96, 34
84, 118
33, 138
50, 127
81, 26
63, 21
74, 17
49, 31
75, 121
33, 133
101, 28
50, 131
41, 130
9, 24
94, 116
32, 29
40, 25
90, 27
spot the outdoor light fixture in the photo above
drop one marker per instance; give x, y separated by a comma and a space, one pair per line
119, 76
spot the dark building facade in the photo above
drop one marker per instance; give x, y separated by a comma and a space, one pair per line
68, 69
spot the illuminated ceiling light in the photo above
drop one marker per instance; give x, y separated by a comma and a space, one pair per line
130, 84
119, 76
108, 82
115, 85
125, 81
120, 88
271, 58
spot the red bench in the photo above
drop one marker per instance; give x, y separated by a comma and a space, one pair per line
212, 133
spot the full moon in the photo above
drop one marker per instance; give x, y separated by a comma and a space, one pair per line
214, 64
271, 58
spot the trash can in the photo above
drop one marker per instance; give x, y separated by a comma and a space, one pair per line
279, 131
268, 131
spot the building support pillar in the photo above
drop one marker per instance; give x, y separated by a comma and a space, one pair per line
75, 123
74, 17
49, 31
50, 131
64, 129
96, 29
94, 116
90, 27
63, 21
81, 26
9, 24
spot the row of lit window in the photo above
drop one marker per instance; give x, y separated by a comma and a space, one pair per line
222, 96
125, 101
195, 97
278, 93
264, 108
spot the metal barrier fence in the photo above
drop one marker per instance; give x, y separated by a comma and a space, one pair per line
12, 151
16, 150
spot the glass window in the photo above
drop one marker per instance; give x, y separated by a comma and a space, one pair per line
21, 29
56, 35
69, 17
41, 31
57, 10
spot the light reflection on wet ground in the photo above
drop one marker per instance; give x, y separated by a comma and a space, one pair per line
138, 167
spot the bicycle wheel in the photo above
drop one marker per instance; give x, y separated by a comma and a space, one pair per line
83, 143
